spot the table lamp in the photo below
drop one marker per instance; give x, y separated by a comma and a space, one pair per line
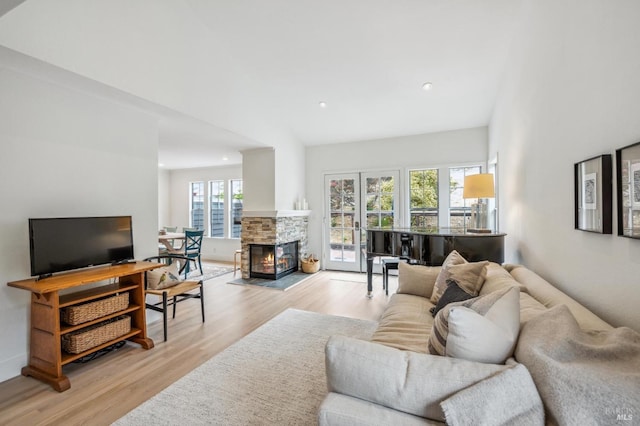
479, 186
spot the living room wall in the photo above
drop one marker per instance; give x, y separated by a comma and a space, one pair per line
65, 153
571, 92
212, 248
442, 149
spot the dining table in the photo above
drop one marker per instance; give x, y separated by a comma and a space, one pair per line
168, 240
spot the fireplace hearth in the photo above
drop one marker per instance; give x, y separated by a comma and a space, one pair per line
273, 261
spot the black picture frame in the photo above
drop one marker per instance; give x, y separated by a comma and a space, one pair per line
628, 190
593, 180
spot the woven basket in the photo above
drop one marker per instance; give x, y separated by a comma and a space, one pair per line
95, 335
310, 265
78, 314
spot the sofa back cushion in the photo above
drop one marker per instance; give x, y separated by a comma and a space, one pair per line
549, 296
483, 329
498, 278
417, 280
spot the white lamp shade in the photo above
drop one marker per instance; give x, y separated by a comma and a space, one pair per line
478, 186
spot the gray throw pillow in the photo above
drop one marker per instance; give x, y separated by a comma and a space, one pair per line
453, 293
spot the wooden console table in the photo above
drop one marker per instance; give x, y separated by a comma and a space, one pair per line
46, 356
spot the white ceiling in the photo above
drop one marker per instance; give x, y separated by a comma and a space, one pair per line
248, 73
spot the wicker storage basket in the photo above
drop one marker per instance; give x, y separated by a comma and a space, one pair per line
74, 315
310, 265
92, 336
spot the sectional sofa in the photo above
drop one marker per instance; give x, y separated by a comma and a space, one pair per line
509, 349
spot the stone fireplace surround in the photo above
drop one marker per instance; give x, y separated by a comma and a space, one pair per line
275, 227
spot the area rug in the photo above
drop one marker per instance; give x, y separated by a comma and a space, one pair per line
209, 272
273, 376
284, 283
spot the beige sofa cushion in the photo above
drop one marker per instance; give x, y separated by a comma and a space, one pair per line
529, 308
453, 258
498, 278
416, 279
470, 276
405, 324
550, 296
402, 380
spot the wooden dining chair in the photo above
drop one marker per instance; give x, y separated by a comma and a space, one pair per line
191, 249
165, 282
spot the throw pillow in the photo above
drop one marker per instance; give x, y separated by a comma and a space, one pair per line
469, 276
454, 258
164, 277
453, 293
482, 329
416, 279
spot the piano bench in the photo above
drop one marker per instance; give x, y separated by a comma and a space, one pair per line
389, 263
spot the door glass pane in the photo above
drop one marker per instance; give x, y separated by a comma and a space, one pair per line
342, 201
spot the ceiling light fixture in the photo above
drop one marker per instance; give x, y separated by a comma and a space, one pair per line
225, 158
322, 104
160, 164
427, 86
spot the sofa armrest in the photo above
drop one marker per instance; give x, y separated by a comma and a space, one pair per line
405, 381
343, 410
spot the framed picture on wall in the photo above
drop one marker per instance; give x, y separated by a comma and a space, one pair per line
628, 190
593, 194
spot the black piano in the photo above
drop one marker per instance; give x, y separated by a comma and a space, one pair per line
430, 246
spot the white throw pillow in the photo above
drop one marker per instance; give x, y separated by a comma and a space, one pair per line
488, 338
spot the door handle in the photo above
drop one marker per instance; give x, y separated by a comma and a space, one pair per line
357, 226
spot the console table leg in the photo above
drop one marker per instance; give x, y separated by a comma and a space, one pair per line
60, 384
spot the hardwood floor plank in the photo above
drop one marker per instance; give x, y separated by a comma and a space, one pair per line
105, 389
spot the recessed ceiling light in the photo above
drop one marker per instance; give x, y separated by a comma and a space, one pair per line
427, 86
160, 164
322, 104
225, 158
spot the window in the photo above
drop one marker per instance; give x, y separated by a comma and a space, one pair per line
216, 206
196, 209
236, 207
423, 194
380, 203
459, 208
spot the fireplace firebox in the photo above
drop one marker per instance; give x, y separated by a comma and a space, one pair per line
273, 261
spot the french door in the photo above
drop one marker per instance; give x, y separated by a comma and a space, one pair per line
354, 202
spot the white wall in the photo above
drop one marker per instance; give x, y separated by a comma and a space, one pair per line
259, 173
457, 147
290, 175
221, 249
65, 154
571, 92
164, 197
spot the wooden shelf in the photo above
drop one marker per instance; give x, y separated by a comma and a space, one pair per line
67, 357
46, 356
65, 328
94, 293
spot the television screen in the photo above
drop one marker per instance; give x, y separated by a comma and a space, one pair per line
61, 244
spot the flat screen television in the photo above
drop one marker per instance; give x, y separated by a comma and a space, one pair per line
62, 244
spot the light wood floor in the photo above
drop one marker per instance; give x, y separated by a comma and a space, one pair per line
105, 389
